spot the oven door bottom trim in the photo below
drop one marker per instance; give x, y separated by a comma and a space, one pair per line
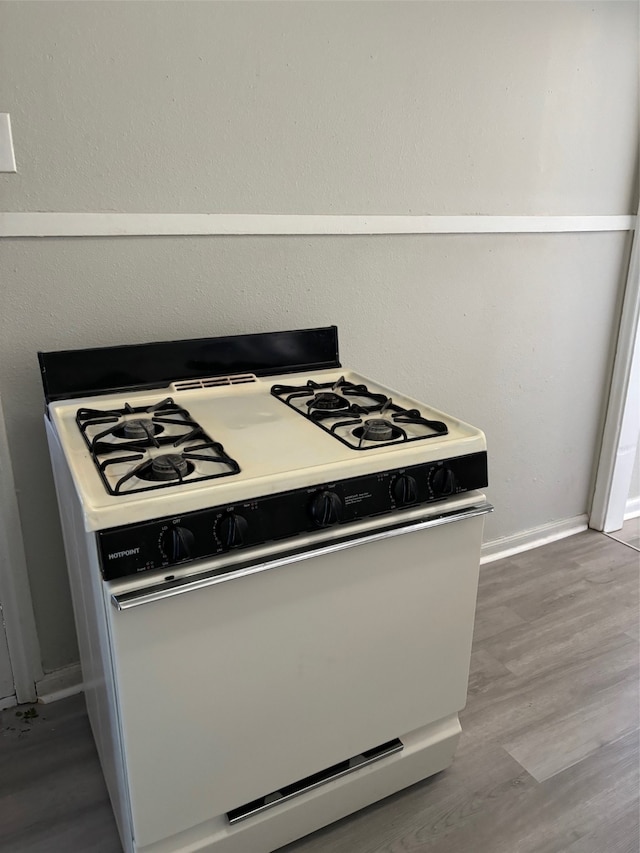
159, 592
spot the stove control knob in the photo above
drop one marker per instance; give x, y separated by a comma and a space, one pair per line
232, 530
443, 482
176, 544
325, 509
405, 490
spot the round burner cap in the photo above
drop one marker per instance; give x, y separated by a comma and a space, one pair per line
139, 428
328, 400
377, 429
169, 466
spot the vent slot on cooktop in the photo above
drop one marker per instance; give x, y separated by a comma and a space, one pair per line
336, 771
213, 382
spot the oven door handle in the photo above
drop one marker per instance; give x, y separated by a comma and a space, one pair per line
159, 592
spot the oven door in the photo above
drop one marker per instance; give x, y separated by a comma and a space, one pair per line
232, 685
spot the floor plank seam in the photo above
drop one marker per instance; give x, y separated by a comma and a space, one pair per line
622, 542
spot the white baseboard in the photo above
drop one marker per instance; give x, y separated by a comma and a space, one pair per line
60, 684
632, 508
8, 702
525, 541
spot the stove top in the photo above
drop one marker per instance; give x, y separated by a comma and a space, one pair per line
159, 430
244, 441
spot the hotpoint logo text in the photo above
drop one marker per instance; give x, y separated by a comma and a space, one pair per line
128, 553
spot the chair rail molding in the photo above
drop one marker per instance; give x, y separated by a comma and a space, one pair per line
93, 224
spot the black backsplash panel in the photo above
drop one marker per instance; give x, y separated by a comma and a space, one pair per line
68, 374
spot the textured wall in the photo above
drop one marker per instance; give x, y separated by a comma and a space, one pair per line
451, 107
321, 107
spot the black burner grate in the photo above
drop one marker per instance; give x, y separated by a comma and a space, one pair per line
140, 435
323, 410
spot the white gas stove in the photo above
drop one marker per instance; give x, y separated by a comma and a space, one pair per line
273, 563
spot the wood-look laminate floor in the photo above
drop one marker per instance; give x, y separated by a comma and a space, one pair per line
630, 533
547, 762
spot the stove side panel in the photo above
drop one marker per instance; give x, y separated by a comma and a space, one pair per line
93, 639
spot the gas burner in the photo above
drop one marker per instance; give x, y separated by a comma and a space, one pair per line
328, 401
138, 429
145, 426
168, 466
154, 447
343, 414
378, 429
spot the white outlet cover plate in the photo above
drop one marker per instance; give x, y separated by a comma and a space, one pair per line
7, 157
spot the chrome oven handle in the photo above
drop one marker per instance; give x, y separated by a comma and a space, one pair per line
159, 592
